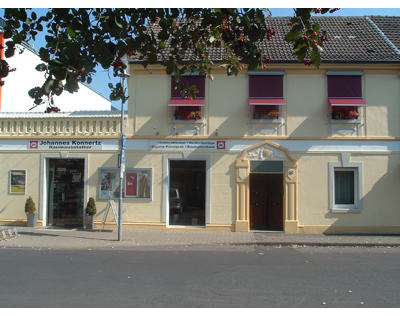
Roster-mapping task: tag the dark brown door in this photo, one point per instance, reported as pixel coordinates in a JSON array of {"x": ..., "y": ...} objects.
[{"x": 266, "y": 200}]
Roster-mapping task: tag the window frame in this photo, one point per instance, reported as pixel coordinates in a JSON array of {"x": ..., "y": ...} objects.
[
  {"x": 279, "y": 107},
  {"x": 356, "y": 167}
]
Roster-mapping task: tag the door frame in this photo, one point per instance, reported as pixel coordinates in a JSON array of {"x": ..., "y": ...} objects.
[
  {"x": 44, "y": 177},
  {"x": 166, "y": 182},
  {"x": 264, "y": 151}
]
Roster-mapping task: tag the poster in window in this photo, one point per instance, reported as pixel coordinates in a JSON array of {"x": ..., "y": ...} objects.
[
  {"x": 138, "y": 182},
  {"x": 144, "y": 183},
  {"x": 109, "y": 183},
  {"x": 17, "y": 181},
  {"x": 131, "y": 184}
]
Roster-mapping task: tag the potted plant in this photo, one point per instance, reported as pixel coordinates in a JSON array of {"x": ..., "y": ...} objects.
[
  {"x": 90, "y": 211},
  {"x": 31, "y": 212}
]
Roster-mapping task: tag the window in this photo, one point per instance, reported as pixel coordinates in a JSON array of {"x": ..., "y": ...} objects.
[
  {"x": 266, "y": 96},
  {"x": 187, "y": 98},
  {"x": 345, "y": 187},
  {"x": 345, "y": 95}
]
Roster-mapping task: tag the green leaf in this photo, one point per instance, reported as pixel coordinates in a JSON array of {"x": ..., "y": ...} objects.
[
  {"x": 48, "y": 85},
  {"x": 44, "y": 54},
  {"x": 70, "y": 31},
  {"x": 315, "y": 58},
  {"x": 117, "y": 23},
  {"x": 41, "y": 67},
  {"x": 292, "y": 36}
]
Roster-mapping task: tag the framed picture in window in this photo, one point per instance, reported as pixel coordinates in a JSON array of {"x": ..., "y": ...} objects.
[
  {"x": 17, "y": 181},
  {"x": 109, "y": 183},
  {"x": 138, "y": 183}
]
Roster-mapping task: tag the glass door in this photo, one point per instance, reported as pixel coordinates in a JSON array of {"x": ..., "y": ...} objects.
[
  {"x": 187, "y": 192},
  {"x": 66, "y": 192}
]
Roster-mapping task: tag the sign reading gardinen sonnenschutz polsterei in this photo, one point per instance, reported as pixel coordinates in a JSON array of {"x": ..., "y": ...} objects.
[{"x": 70, "y": 144}]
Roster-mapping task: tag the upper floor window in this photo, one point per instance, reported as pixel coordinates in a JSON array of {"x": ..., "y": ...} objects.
[
  {"x": 345, "y": 95},
  {"x": 187, "y": 98},
  {"x": 266, "y": 95}
]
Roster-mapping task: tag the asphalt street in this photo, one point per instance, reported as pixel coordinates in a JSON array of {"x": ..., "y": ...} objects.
[{"x": 201, "y": 276}]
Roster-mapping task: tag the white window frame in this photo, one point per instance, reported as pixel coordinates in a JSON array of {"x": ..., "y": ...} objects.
[{"x": 356, "y": 167}]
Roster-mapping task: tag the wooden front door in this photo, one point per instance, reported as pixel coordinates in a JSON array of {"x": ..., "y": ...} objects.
[{"x": 266, "y": 201}]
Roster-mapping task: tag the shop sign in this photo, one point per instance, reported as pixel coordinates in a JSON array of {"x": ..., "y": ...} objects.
[
  {"x": 209, "y": 145},
  {"x": 79, "y": 144}
]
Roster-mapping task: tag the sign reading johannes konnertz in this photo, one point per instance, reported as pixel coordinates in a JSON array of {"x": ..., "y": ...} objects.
[{"x": 65, "y": 144}]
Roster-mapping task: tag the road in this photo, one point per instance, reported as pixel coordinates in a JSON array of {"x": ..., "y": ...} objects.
[{"x": 213, "y": 276}]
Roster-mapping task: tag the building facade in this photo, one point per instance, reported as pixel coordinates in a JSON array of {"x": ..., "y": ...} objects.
[{"x": 290, "y": 148}]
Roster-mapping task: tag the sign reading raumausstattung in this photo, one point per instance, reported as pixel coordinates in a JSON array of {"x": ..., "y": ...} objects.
[{"x": 79, "y": 144}]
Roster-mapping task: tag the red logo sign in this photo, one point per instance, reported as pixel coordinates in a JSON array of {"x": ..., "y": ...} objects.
[
  {"x": 33, "y": 144},
  {"x": 220, "y": 144}
]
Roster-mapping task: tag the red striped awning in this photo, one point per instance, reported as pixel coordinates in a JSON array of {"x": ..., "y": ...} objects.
[
  {"x": 186, "y": 102},
  {"x": 346, "y": 102},
  {"x": 266, "y": 101}
]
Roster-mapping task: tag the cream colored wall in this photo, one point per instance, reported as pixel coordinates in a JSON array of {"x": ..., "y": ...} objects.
[
  {"x": 221, "y": 192},
  {"x": 12, "y": 206},
  {"x": 223, "y": 188},
  {"x": 380, "y": 182},
  {"x": 306, "y": 103},
  {"x": 382, "y": 94},
  {"x": 228, "y": 108},
  {"x": 148, "y": 104},
  {"x": 228, "y": 111}
]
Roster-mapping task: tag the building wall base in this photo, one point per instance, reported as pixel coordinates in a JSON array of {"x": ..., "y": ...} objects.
[
  {"x": 242, "y": 226},
  {"x": 291, "y": 226}
]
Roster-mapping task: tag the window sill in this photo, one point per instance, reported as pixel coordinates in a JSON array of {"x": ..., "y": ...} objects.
[
  {"x": 348, "y": 121},
  {"x": 344, "y": 210},
  {"x": 188, "y": 121},
  {"x": 278, "y": 120}
]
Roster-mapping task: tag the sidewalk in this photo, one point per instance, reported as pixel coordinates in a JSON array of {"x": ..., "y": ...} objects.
[{"x": 58, "y": 238}]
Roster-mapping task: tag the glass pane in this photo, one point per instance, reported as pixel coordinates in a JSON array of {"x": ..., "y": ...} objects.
[
  {"x": 187, "y": 192},
  {"x": 344, "y": 186},
  {"x": 66, "y": 183}
]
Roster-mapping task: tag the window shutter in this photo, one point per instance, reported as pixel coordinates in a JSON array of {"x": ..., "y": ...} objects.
[
  {"x": 267, "y": 86},
  {"x": 344, "y": 87},
  {"x": 198, "y": 81}
]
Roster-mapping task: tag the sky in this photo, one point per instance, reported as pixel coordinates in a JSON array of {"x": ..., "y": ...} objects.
[{"x": 102, "y": 78}]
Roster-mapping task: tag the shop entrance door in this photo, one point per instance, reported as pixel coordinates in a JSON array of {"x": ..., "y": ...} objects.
[
  {"x": 187, "y": 192},
  {"x": 266, "y": 202},
  {"x": 65, "y": 192}
]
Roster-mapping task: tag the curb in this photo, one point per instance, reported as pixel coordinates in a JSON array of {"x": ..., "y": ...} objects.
[{"x": 320, "y": 244}]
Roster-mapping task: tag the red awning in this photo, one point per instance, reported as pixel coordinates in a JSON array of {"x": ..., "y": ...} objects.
[
  {"x": 186, "y": 102},
  {"x": 346, "y": 102},
  {"x": 266, "y": 101}
]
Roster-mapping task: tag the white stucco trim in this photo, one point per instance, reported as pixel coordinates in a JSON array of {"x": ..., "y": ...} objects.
[{"x": 345, "y": 164}]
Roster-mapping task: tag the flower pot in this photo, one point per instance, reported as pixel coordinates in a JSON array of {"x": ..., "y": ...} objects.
[
  {"x": 32, "y": 219},
  {"x": 89, "y": 221}
]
